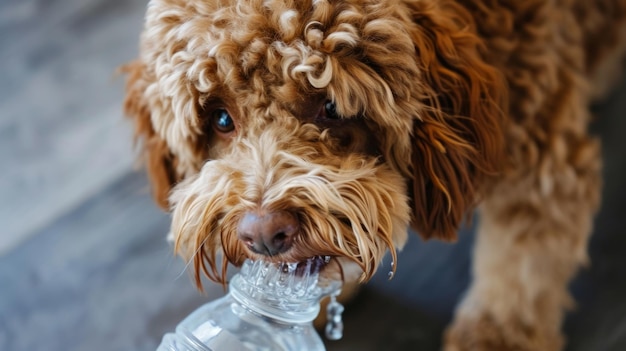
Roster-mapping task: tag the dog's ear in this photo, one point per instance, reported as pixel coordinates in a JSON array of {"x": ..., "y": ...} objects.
[
  {"x": 458, "y": 137},
  {"x": 159, "y": 161}
]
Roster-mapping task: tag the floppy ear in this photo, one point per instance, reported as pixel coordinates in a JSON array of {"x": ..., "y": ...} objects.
[
  {"x": 159, "y": 161},
  {"x": 458, "y": 138}
]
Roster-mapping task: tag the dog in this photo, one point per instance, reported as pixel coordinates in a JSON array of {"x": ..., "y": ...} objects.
[{"x": 285, "y": 130}]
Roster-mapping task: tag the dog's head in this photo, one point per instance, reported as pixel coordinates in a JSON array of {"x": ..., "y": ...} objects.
[{"x": 285, "y": 130}]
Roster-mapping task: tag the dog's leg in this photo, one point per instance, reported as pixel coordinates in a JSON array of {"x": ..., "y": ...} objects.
[{"x": 532, "y": 238}]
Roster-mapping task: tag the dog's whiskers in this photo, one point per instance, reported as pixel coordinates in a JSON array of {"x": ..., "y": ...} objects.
[{"x": 192, "y": 258}]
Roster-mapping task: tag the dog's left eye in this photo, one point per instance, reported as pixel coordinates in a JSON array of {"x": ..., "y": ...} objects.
[
  {"x": 330, "y": 110},
  {"x": 222, "y": 121}
]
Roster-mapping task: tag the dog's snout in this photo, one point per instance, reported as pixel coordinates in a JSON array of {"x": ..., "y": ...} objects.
[{"x": 269, "y": 233}]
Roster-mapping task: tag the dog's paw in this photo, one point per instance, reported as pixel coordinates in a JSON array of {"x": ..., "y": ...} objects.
[{"x": 482, "y": 333}]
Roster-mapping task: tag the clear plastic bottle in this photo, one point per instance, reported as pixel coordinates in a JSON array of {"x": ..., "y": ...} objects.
[{"x": 268, "y": 307}]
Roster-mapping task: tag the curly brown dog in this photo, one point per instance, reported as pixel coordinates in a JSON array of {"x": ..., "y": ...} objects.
[{"x": 284, "y": 130}]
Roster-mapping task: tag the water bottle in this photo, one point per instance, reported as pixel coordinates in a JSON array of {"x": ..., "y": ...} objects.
[{"x": 268, "y": 307}]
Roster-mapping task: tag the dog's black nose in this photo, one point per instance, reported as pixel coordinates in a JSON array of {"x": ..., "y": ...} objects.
[{"x": 269, "y": 233}]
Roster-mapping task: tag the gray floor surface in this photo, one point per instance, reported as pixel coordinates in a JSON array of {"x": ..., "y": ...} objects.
[{"x": 84, "y": 264}]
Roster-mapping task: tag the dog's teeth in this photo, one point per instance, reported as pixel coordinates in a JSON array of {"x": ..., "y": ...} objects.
[{"x": 292, "y": 266}]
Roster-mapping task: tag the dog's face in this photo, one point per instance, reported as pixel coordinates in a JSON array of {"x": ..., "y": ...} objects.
[{"x": 285, "y": 130}]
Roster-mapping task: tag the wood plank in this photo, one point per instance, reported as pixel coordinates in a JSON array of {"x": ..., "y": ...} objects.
[{"x": 62, "y": 134}]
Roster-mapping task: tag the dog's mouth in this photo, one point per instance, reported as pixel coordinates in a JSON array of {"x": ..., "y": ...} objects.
[
  {"x": 309, "y": 266},
  {"x": 326, "y": 271},
  {"x": 329, "y": 268},
  {"x": 326, "y": 266}
]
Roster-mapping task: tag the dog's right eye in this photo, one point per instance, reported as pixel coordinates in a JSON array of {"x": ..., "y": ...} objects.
[
  {"x": 330, "y": 110},
  {"x": 222, "y": 121}
]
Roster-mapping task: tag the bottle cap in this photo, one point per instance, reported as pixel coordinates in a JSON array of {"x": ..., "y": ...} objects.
[{"x": 288, "y": 292}]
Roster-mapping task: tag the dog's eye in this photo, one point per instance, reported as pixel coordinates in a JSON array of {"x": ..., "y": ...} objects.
[
  {"x": 222, "y": 121},
  {"x": 330, "y": 110}
]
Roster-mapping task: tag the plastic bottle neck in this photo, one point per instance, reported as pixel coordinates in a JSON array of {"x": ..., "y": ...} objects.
[{"x": 288, "y": 293}]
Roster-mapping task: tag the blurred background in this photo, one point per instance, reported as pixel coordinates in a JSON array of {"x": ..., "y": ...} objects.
[{"x": 84, "y": 264}]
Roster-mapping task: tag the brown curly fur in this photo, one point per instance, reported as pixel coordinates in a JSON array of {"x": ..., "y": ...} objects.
[{"x": 442, "y": 105}]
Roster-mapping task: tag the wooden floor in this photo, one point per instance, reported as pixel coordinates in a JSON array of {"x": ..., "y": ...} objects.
[
  {"x": 83, "y": 260},
  {"x": 62, "y": 135}
]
